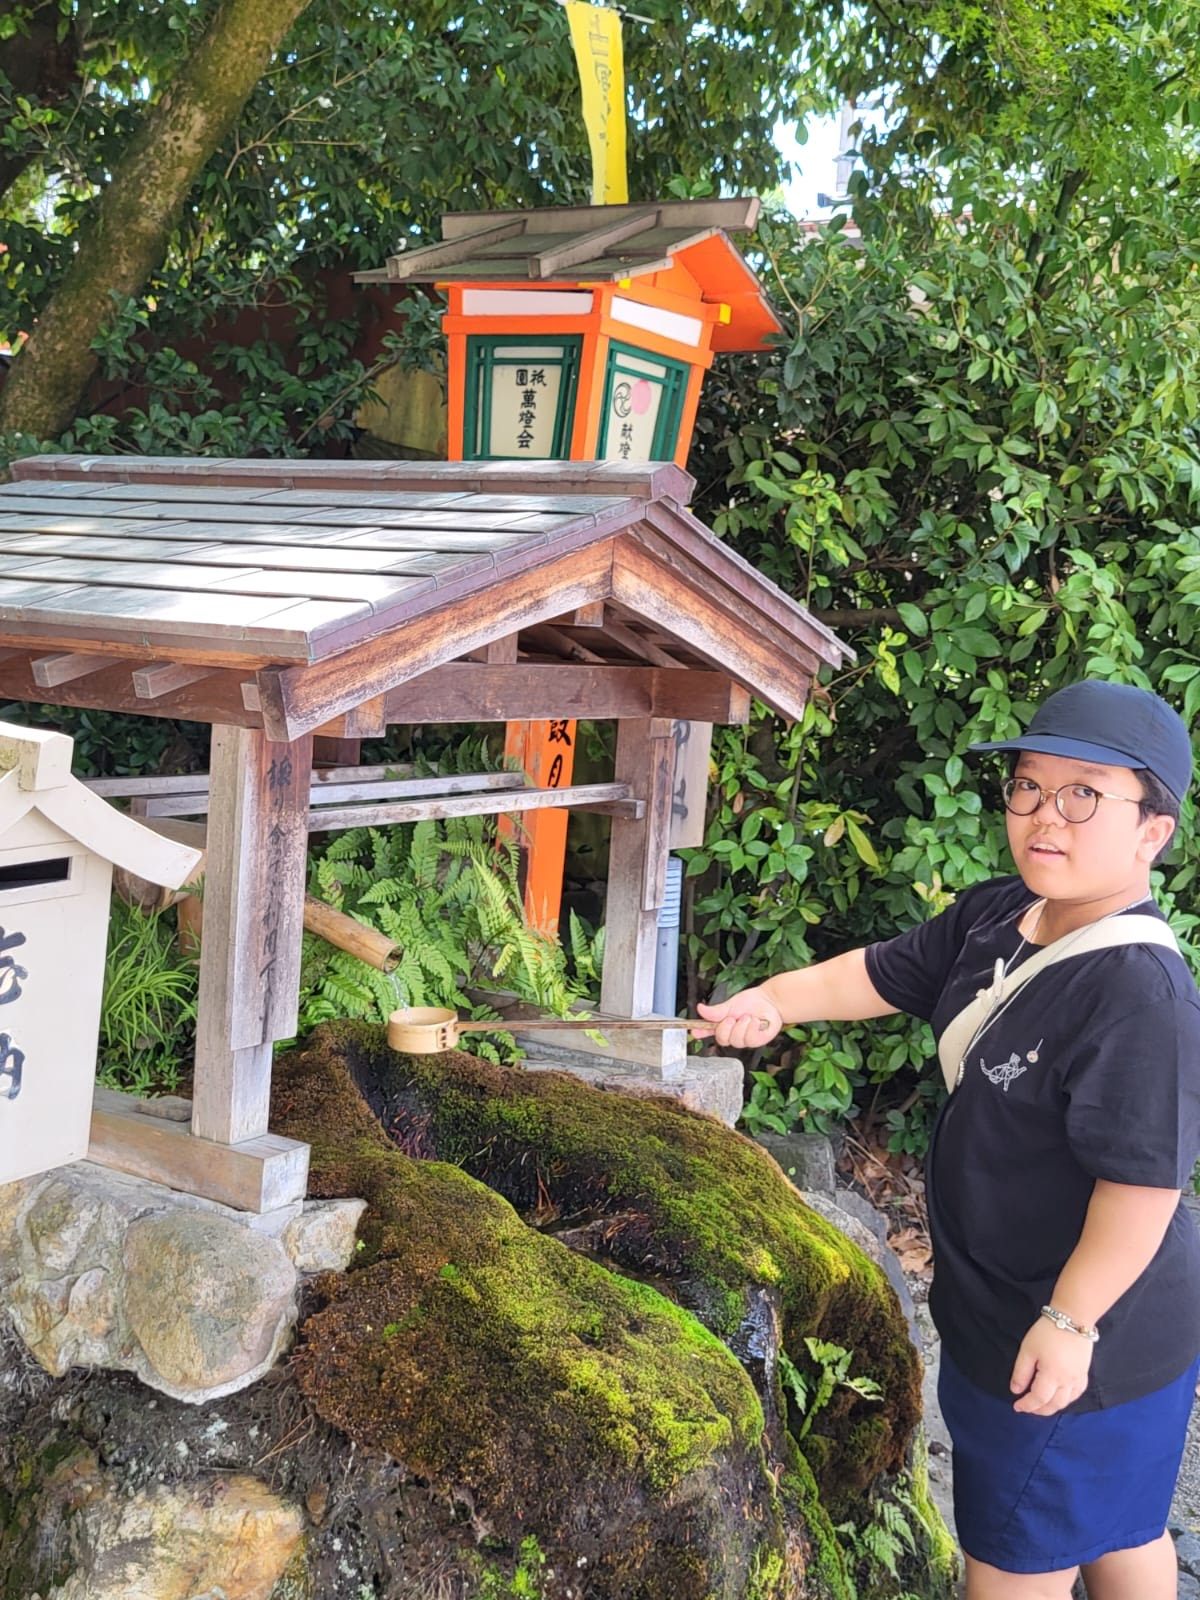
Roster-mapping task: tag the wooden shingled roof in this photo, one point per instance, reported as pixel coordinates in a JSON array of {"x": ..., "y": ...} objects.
[
  {"x": 601, "y": 244},
  {"x": 289, "y": 594}
]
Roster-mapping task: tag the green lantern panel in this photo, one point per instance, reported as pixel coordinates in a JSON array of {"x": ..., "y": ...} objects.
[
  {"x": 520, "y": 398},
  {"x": 642, "y": 406}
]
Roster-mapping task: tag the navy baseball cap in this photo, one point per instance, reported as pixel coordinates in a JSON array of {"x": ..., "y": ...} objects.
[{"x": 1113, "y": 724}]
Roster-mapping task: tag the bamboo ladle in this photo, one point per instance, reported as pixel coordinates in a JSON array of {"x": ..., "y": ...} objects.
[{"x": 428, "y": 1030}]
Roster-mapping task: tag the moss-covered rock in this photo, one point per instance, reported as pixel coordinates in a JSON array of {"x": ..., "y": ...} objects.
[
  {"x": 602, "y": 1410},
  {"x": 660, "y": 1192},
  {"x": 542, "y": 1390}
]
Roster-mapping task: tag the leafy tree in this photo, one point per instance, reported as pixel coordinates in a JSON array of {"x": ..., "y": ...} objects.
[
  {"x": 978, "y": 458},
  {"x": 123, "y": 238},
  {"x": 975, "y": 453},
  {"x": 368, "y": 122}
]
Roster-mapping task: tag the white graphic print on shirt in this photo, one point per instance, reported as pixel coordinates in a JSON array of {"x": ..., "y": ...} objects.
[{"x": 1009, "y": 1071}]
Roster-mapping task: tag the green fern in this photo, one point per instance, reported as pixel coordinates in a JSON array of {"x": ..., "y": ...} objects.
[
  {"x": 587, "y": 952},
  {"x": 448, "y": 895},
  {"x": 879, "y": 1546}
]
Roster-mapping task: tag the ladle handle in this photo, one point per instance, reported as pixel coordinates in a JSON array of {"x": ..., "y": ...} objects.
[{"x": 593, "y": 1024}]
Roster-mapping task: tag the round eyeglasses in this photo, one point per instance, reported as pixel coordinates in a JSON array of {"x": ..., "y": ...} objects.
[{"x": 1076, "y": 802}]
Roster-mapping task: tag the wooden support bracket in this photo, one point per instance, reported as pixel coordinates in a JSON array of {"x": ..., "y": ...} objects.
[
  {"x": 257, "y": 1175},
  {"x": 164, "y": 677},
  {"x": 50, "y": 671}
]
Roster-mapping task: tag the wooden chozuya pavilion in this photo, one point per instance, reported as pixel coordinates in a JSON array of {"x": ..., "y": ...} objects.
[{"x": 278, "y": 600}]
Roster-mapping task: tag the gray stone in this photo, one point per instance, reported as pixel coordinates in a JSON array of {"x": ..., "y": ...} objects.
[
  {"x": 1187, "y": 1551},
  {"x": 705, "y": 1083},
  {"x": 856, "y": 1231},
  {"x": 1189, "y": 1587},
  {"x": 210, "y": 1302},
  {"x": 806, "y": 1158},
  {"x": 104, "y": 1270},
  {"x": 323, "y": 1236},
  {"x": 859, "y": 1206},
  {"x": 830, "y": 1207}
]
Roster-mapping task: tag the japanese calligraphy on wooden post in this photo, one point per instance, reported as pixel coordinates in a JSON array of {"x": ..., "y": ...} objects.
[{"x": 693, "y": 746}]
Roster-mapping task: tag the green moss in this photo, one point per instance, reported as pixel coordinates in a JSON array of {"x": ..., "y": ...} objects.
[
  {"x": 494, "y": 1361},
  {"x": 690, "y": 1201},
  {"x": 481, "y": 1352},
  {"x": 941, "y": 1552},
  {"x": 827, "y": 1574}
]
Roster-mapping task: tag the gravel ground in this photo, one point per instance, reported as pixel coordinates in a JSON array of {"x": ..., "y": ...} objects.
[{"x": 1185, "y": 1509}]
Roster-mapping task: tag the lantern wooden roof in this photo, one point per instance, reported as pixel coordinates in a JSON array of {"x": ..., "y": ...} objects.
[
  {"x": 297, "y": 595},
  {"x": 675, "y": 243}
]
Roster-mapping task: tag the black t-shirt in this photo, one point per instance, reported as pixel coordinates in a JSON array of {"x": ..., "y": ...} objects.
[{"x": 1091, "y": 1071}]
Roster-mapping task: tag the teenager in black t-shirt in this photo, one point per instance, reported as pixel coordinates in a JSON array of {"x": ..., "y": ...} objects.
[{"x": 1067, "y": 1273}]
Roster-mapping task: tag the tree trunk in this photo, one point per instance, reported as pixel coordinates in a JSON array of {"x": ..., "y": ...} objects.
[{"x": 127, "y": 237}]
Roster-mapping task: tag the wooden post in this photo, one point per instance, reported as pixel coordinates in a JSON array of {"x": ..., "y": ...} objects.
[
  {"x": 253, "y": 916},
  {"x": 637, "y": 864},
  {"x": 693, "y": 751}
]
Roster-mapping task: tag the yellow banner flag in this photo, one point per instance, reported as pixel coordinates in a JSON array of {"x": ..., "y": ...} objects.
[{"x": 596, "y": 36}]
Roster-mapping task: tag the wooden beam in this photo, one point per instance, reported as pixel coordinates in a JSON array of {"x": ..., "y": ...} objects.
[
  {"x": 587, "y": 616},
  {"x": 750, "y": 648},
  {"x": 31, "y": 636},
  {"x": 465, "y": 692},
  {"x": 165, "y": 677},
  {"x": 50, "y": 671},
  {"x": 253, "y": 918},
  {"x": 679, "y": 539},
  {"x": 501, "y": 652},
  {"x": 587, "y": 246},
  {"x": 295, "y": 701},
  {"x": 367, "y": 720},
  {"x": 335, "y": 750},
  {"x": 637, "y": 863},
  {"x": 638, "y": 646},
  {"x": 445, "y": 253},
  {"x": 498, "y": 785},
  {"x": 610, "y": 799},
  {"x": 645, "y": 480},
  {"x": 559, "y": 642},
  {"x": 260, "y": 1174},
  {"x": 198, "y": 782},
  {"x": 216, "y": 699}
]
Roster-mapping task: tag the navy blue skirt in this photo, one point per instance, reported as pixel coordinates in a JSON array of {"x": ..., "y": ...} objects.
[{"x": 1042, "y": 1494}]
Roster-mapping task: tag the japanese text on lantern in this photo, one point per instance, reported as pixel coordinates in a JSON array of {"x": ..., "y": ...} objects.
[{"x": 522, "y": 406}]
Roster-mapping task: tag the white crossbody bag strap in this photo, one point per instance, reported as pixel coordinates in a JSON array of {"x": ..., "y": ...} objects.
[{"x": 1106, "y": 934}]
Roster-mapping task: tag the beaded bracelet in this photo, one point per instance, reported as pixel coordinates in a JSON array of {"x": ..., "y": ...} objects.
[{"x": 1060, "y": 1319}]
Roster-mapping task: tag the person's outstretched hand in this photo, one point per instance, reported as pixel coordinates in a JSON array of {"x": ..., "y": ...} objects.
[{"x": 744, "y": 1022}]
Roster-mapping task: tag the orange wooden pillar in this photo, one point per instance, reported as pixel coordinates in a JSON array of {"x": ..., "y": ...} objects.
[{"x": 546, "y": 752}]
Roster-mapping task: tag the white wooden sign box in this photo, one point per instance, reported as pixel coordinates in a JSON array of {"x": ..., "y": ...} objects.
[{"x": 58, "y": 845}]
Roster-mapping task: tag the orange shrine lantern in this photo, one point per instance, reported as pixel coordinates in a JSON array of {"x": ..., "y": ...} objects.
[{"x": 583, "y": 334}]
